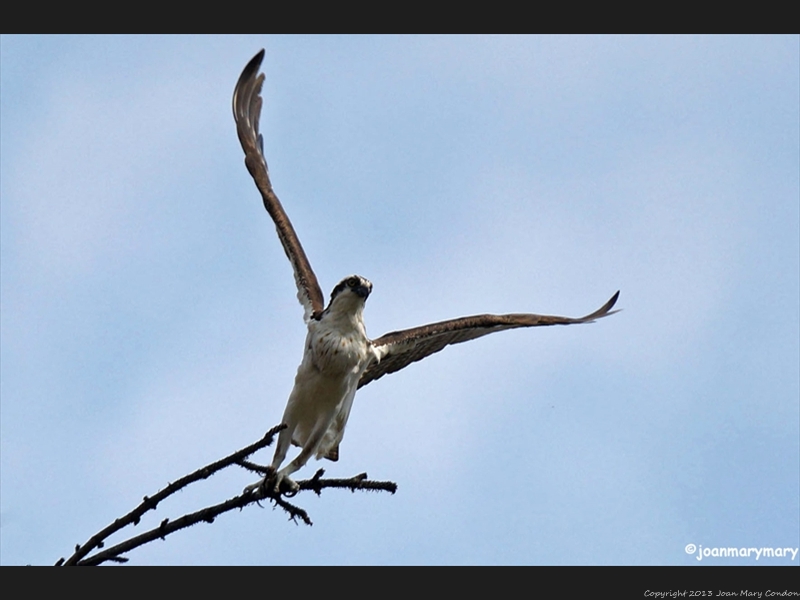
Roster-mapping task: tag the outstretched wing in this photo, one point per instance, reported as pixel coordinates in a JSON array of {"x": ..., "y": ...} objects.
[
  {"x": 398, "y": 349},
  {"x": 246, "y": 111}
]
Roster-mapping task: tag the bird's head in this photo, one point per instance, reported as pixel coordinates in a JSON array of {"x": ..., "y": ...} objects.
[{"x": 351, "y": 291}]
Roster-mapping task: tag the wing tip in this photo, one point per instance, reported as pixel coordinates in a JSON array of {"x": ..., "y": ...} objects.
[
  {"x": 254, "y": 64},
  {"x": 251, "y": 68},
  {"x": 613, "y": 300},
  {"x": 248, "y": 73},
  {"x": 605, "y": 310}
]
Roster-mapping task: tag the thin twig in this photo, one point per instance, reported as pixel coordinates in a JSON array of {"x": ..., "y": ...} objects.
[
  {"x": 167, "y": 527},
  {"x": 209, "y": 514},
  {"x": 358, "y": 482},
  {"x": 150, "y": 503}
]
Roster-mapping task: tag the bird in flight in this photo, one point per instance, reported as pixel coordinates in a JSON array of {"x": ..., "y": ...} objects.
[{"x": 338, "y": 357}]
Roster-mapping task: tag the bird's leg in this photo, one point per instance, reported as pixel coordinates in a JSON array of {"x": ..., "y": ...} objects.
[
  {"x": 262, "y": 484},
  {"x": 309, "y": 448},
  {"x": 284, "y": 440}
]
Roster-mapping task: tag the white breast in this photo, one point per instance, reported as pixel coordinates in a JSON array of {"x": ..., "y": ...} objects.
[
  {"x": 339, "y": 347},
  {"x": 326, "y": 382}
]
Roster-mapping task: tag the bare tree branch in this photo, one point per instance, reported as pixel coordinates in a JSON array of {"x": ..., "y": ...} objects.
[{"x": 208, "y": 514}]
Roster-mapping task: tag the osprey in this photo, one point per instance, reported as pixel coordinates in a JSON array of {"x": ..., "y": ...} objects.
[{"x": 338, "y": 357}]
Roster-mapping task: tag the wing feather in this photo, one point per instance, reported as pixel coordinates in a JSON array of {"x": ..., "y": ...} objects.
[
  {"x": 246, "y": 112},
  {"x": 398, "y": 349}
]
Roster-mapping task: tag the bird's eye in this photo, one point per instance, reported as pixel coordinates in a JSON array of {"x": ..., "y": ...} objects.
[{"x": 352, "y": 282}]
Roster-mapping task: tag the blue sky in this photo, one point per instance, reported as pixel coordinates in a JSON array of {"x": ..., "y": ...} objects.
[{"x": 150, "y": 326}]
